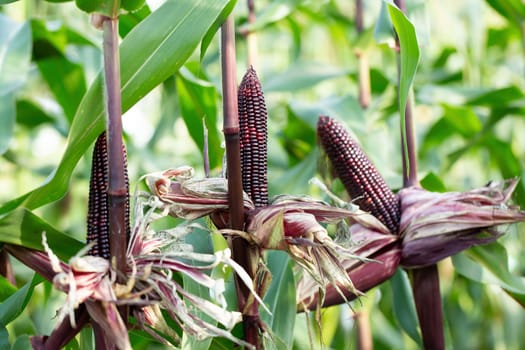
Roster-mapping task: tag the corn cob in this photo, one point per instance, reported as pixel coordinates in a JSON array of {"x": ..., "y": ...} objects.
[
  {"x": 362, "y": 181},
  {"x": 253, "y": 138},
  {"x": 126, "y": 178},
  {"x": 97, "y": 218},
  {"x": 98, "y": 202}
]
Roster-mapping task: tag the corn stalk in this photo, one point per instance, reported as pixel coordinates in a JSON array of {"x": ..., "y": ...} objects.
[
  {"x": 425, "y": 280},
  {"x": 245, "y": 255}
]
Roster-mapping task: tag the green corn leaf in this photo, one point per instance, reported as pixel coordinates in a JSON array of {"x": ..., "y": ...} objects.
[
  {"x": 497, "y": 97},
  {"x": 22, "y": 343},
  {"x": 513, "y": 10},
  {"x": 301, "y": 76},
  {"x": 432, "y": 182},
  {"x": 201, "y": 243},
  {"x": 22, "y": 227},
  {"x": 6, "y": 288},
  {"x": 409, "y": 59},
  {"x": 154, "y": 50},
  {"x": 330, "y": 319},
  {"x": 15, "y": 56},
  {"x": 197, "y": 98},
  {"x": 215, "y": 27},
  {"x": 7, "y": 119},
  {"x": 4, "y": 338},
  {"x": 3, "y": 2},
  {"x": 489, "y": 264},
  {"x": 66, "y": 81},
  {"x": 16, "y": 303},
  {"x": 11, "y": 308},
  {"x": 108, "y": 8},
  {"x": 404, "y": 308},
  {"x": 292, "y": 180},
  {"x": 280, "y": 299},
  {"x": 462, "y": 120},
  {"x": 273, "y": 12},
  {"x": 345, "y": 108},
  {"x": 31, "y": 114},
  {"x": 129, "y": 20}
]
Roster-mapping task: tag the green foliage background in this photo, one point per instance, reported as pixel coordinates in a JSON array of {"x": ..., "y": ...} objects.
[{"x": 469, "y": 108}]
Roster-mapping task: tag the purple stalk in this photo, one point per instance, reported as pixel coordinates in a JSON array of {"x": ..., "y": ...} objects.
[
  {"x": 63, "y": 333},
  {"x": 427, "y": 297},
  {"x": 425, "y": 281},
  {"x": 231, "y": 125},
  {"x": 205, "y": 151},
  {"x": 359, "y": 15},
  {"x": 251, "y": 41},
  {"x": 364, "y": 333},
  {"x": 34, "y": 259},
  {"x": 117, "y": 189},
  {"x": 101, "y": 341},
  {"x": 6, "y": 270},
  {"x": 117, "y": 184},
  {"x": 364, "y": 71},
  {"x": 242, "y": 253}
]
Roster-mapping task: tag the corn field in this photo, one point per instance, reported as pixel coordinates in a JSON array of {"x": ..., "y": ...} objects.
[{"x": 297, "y": 174}]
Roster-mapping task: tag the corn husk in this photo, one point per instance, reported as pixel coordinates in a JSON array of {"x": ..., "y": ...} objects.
[
  {"x": 437, "y": 225},
  {"x": 293, "y": 224},
  {"x": 181, "y": 195}
]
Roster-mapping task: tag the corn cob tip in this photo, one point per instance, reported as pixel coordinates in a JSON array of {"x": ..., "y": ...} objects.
[{"x": 250, "y": 82}]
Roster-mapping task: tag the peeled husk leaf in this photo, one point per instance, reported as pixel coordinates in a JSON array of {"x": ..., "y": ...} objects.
[
  {"x": 379, "y": 254},
  {"x": 190, "y": 198},
  {"x": 365, "y": 276},
  {"x": 437, "y": 225},
  {"x": 293, "y": 224}
]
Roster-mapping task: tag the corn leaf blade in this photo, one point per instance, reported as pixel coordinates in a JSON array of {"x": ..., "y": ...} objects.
[
  {"x": 22, "y": 227},
  {"x": 409, "y": 59},
  {"x": 488, "y": 264},
  {"x": 149, "y": 54},
  {"x": 280, "y": 299}
]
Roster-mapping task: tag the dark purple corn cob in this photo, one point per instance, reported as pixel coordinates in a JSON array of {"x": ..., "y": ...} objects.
[
  {"x": 362, "y": 181},
  {"x": 98, "y": 218},
  {"x": 126, "y": 177},
  {"x": 253, "y": 138},
  {"x": 98, "y": 205}
]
